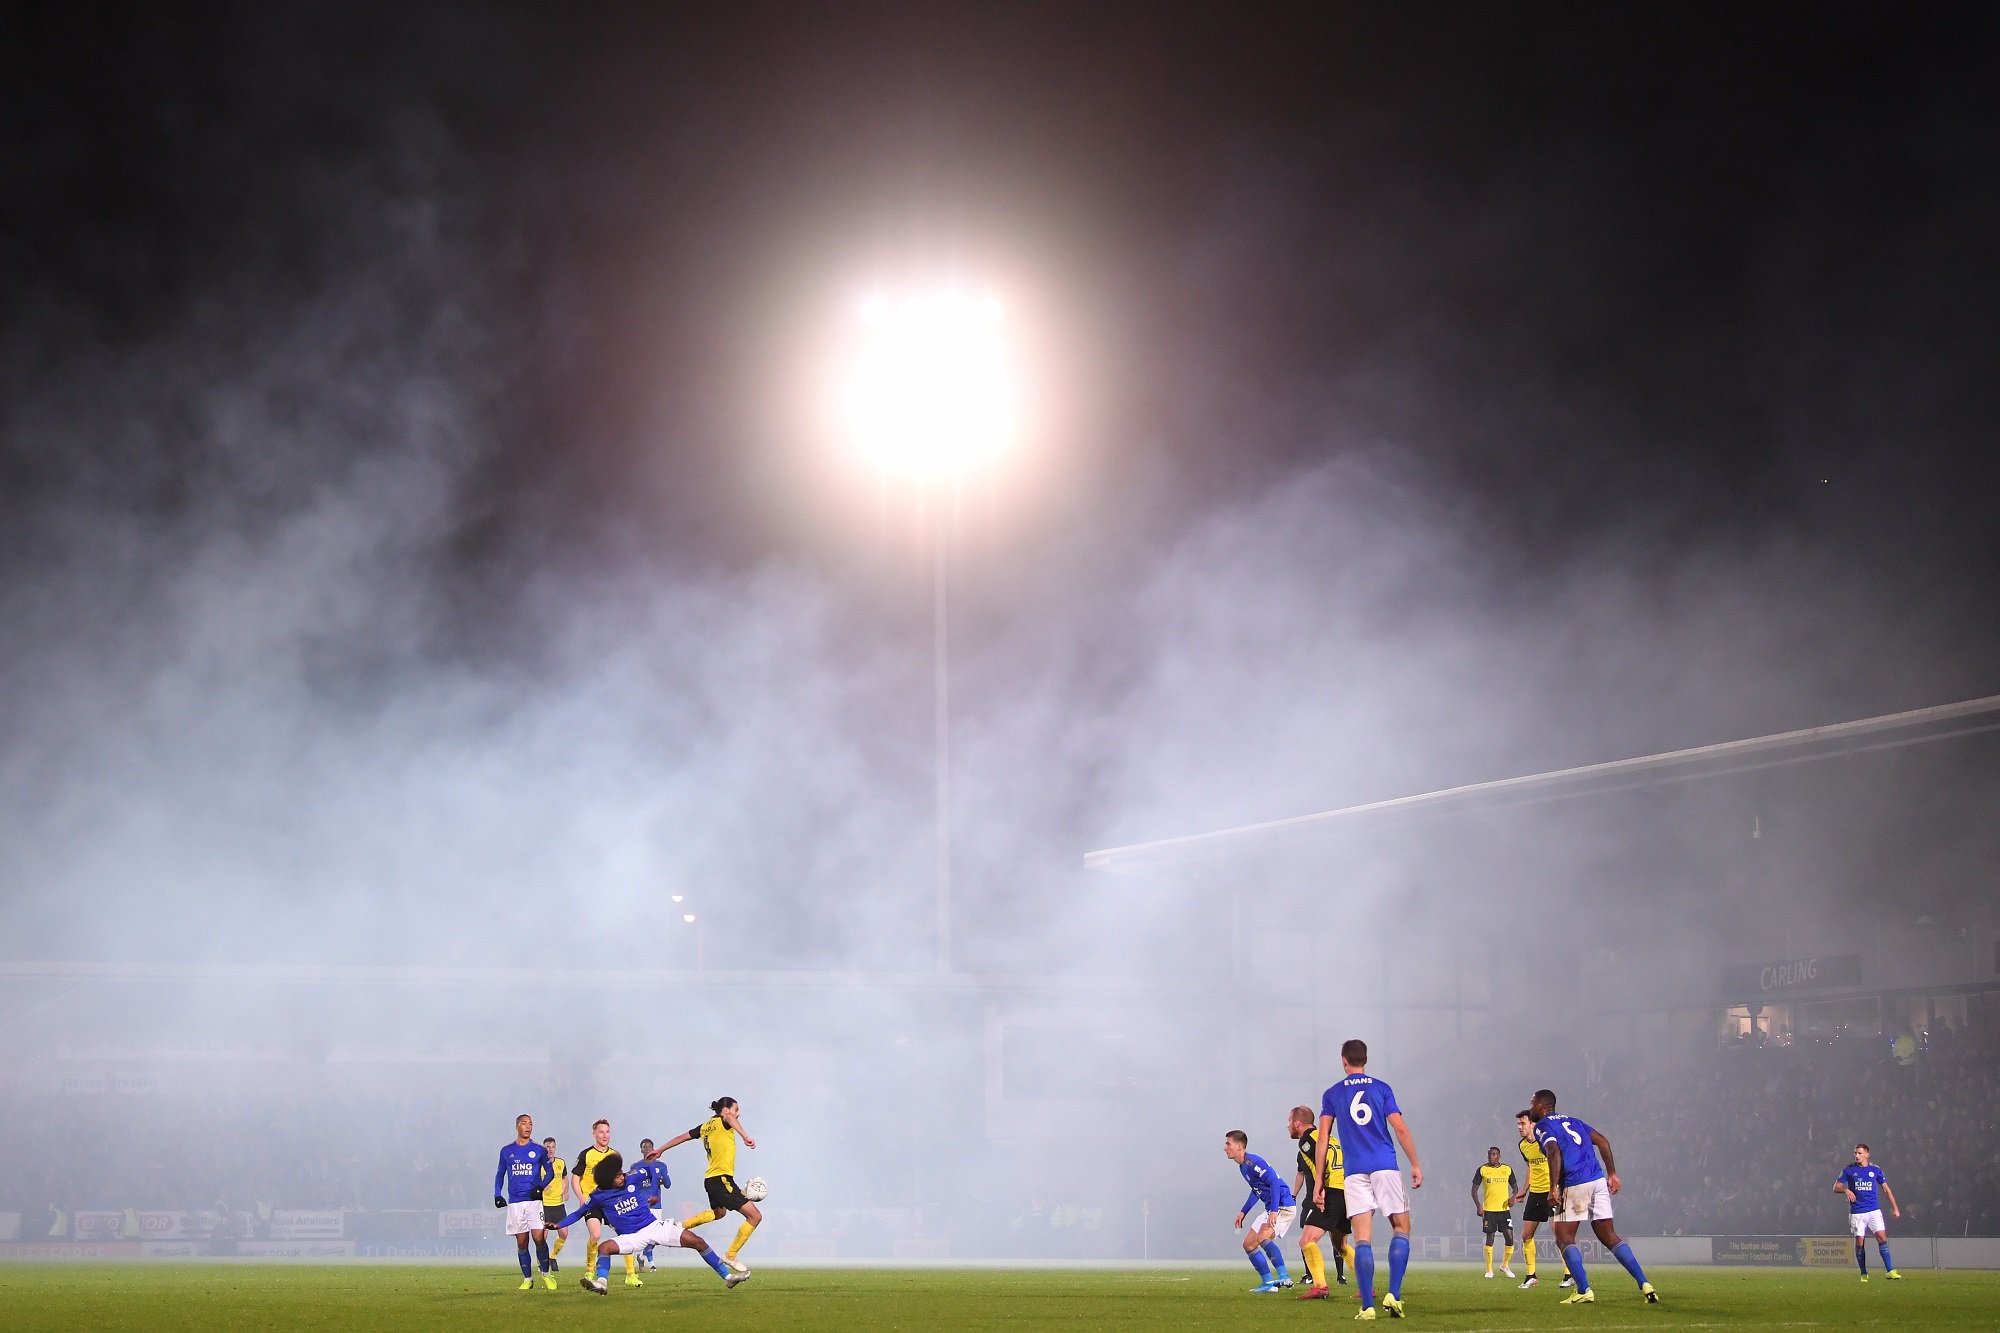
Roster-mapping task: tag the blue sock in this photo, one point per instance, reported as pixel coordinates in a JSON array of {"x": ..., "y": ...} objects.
[
  {"x": 1277, "y": 1258},
  {"x": 1888, "y": 1264},
  {"x": 603, "y": 1266},
  {"x": 522, "y": 1255},
  {"x": 1861, "y": 1257},
  {"x": 714, "y": 1260},
  {"x": 1261, "y": 1264},
  {"x": 1623, "y": 1254},
  {"x": 1573, "y": 1261},
  {"x": 542, "y": 1250},
  {"x": 1364, "y": 1272},
  {"x": 1399, "y": 1259}
]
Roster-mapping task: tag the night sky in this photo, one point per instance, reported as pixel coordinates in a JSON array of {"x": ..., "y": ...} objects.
[{"x": 457, "y": 319}]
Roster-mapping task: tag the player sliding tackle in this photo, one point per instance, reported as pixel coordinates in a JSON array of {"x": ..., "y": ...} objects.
[
  {"x": 622, "y": 1206},
  {"x": 1580, "y": 1190}
]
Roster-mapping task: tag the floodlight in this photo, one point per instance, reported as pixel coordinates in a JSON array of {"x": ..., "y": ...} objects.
[{"x": 931, "y": 393}]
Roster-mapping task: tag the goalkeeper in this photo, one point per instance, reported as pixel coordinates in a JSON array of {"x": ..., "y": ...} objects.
[{"x": 621, "y": 1206}]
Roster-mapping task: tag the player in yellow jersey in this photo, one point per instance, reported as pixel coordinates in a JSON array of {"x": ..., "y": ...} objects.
[
  {"x": 1493, "y": 1200},
  {"x": 586, "y": 1169},
  {"x": 1315, "y": 1221},
  {"x": 552, "y": 1203},
  {"x": 1536, "y": 1191},
  {"x": 718, "y": 1136}
]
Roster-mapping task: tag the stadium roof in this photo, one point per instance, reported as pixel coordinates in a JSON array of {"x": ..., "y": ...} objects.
[{"x": 1887, "y": 731}]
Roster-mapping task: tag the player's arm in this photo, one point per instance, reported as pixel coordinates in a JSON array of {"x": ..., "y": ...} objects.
[
  {"x": 1409, "y": 1142},
  {"x": 1477, "y": 1202},
  {"x": 1840, "y": 1186},
  {"x": 500, "y": 1181},
  {"x": 1894, "y": 1209},
  {"x": 1604, "y": 1151},
  {"x": 674, "y": 1142},
  {"x": 734, "y": 1119},
  {"x": 1319, "y": 1160},
  {"x": 1552, "y": 1154},
  {"x": 1521, "y": 1148}
]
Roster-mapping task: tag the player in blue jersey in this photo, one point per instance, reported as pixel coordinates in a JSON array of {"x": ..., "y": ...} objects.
[
  {"x": 1583, "y": 1176},
  {"x": 621, "y": 1205},
  {"x": 524, "y": 1172},
  {"x": 1862, "y": 1183},
  {"x": 1267, "y": 1187},
  {"x": 1365, "y": 1110},
  {"x": 652, "y": 1178}
]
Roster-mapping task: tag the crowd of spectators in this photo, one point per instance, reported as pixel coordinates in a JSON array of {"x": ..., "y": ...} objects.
[
  {"x": 161, "y": 1151},
  {"x": 1748, "y": 1139}
]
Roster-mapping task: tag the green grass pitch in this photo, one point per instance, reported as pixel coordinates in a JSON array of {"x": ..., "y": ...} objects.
[{"x": 204, "y": 1296}]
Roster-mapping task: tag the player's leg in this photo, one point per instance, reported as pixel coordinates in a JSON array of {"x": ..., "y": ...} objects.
[
  {"x": 1309, "y": 1254},
  {"x": 751, "y": 1219},
  {"x": 521, "y": 1253},
  {"x": 1361, "y": 1224},
  {"x": 1254, "y": 1237},
  {"x": 1279, "y": 1225},
  {"x": 1608, "y": 1237},
  {"x": 1399, "y": 1261},
  {"x": 1343, "y": 1254},
  {"x": 594, "y": 1237},
  {"x": 1529, "y": 1226},
  {"x": 1486, "y": 1238},
  {"x": 542, "y": 1253},
  {"x": 1882, "y": 1247},
  {"x": 1395, "y": 1204},
  {"x": 1565, "y": 1229},
  {"x": 1507, "y": 1251},
  {"x": 553, "y": 1213}
]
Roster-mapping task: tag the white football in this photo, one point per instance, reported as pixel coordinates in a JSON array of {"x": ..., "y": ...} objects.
[{"x": 755, "y": 1189}]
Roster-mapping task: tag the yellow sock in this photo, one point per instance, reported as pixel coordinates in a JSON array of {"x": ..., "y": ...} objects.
[
  {"x": 742, "y": 1234},
  {"x": 556, "y": 1248},
  {"x": 701, "y": 1219},
  {"x": 1528, "y": 1253},
  {"x": 589, "y": 1255},
  {"x": 631, "y": 1265},
  {"x": 1315, "y": 1263},
  {"x": 1489, "y": 1258},
  {"x": 1507, "y": 1256},
  {"x": 1347, "y": 1253}
]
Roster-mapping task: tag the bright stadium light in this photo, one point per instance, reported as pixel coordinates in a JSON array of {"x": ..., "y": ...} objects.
[
  {"x": 929, "y": 399},
  {"x": 931, "y": 393}
]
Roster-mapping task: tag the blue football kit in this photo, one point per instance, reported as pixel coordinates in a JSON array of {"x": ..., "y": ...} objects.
[
  {"x": 650, "y": 1178},
  {"x": 1266, "y": 1186},
  {"x": 1863, "y": 1180},
  {"x": 525, "y": 1171},
  {"x": 1567, "y": 1137},
  {"x": 623, "y": 1209},
  {"x": 1361, "y": 1106}
]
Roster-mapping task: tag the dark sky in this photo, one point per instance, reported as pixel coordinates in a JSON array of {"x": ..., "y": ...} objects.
[
  {"x": 1439, "y": 395},
  {"x": 1674, "y": 269}
]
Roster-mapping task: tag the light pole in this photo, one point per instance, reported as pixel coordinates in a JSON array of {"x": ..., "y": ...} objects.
[{"x": 930, "y": 399}]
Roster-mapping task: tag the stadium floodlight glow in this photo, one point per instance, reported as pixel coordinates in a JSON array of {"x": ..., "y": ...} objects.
[
  {"x": 688, "y": 917},
  {"x": 931, "y": 393}
]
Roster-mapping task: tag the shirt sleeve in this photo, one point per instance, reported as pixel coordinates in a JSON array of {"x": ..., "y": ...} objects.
[{"x": 500, "y": 1177}]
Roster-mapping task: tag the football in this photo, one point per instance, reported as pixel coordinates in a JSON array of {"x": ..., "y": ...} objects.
[{"x": 755, "y": 1189}]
